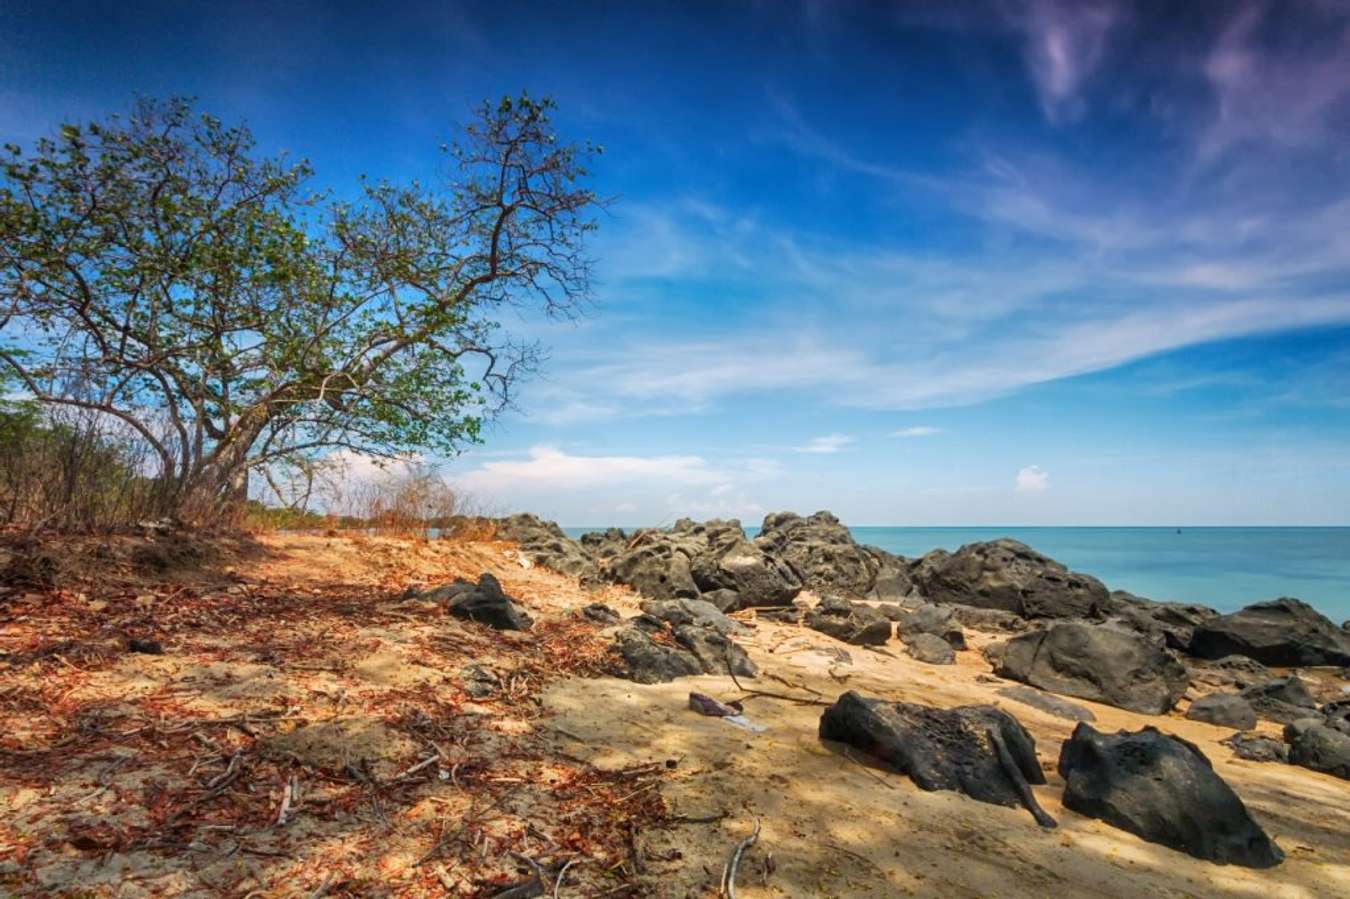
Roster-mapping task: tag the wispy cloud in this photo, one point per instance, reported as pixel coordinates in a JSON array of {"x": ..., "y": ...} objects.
[
  {"x": 830, "y": 443},
  {"x": 1032, "y": 479},
  {"x": 1065, "y": 40},
  {"x": 917, "y": 431}
]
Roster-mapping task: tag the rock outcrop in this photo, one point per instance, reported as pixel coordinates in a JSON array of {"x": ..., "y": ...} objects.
[
  {"x": 824, "y": 555},
  {"x": 1048, "y": 703},
  {"x": 1095, "y": 662},
  {"x": 545, "y": 543},
  {"x": 1282, "y": 699},
  {"x": 930, "y": 618},
  {"x": 850, "y": 622},
  {"x": 1283, "y": 632},
  {"x": 930, "y": 649},
  {"x": 1174, "y": 622},
  {"x": 1223, "y": 710},
  {"x": 1315, "y": 745},
  {"x": 1256, "y": 747},
  {"x": 978, "y": 750},
  {"x": 1162, "y": 789},
  {"x": 1007, "y": 575}
]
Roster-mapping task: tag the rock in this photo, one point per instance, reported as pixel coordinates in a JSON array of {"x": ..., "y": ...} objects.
[
  {"x": 691, "y": 611},
  {"x": 1312, "y": 744},
  {"x": 1011, "y": 576},
  {"x": 546, "y": 544},
  {"x": 479, "y": 681},
  {"x": 821, "y": 551},
  {"x": 600, "y": 613},
  {"x": 654, "y": 569},
  {"x": 995, "y": 620},
  {"x": 1283, "y": 632},
  {"x": 715, "y": 652},
  {"x": 1224, "y": 710},
  {"x": 1162, "y": 789},
  {"x": 933, "y": 619},
  {"x": 930, "y": 648},
  {"x": 853, "y": 623},
  {"x": 1095, "y": 662},
  {"x": 1337, "y": 715},
  {"x": 758, "y": 578},
  {"x": 724, "y": 600},
  {"x": 1230, "y": 671},
  {"x": 892, "y": 581},
  {"x": 1049, "y": 703},
  {"x": 1173, "y": 621},
  {"x": 483, "y": 602},
  {"x": 648, "y": 662},
  {"x": 604, "y": 544},
  {"x": 148, "y": 647},
  {"x": 1283, "y": 699},
  {"x": 1256, "y": 747},
  {"x": 978, "y": 750}
]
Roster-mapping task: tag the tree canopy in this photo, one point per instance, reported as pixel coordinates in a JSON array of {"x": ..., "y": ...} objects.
[{"x": 157, "y": 269}]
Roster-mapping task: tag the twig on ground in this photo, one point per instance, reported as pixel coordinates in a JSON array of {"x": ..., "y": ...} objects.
[
  {"x": 557, "y": 885},
  {"x": 734, "y": 862},
  {"x": 529, "y": 888}
]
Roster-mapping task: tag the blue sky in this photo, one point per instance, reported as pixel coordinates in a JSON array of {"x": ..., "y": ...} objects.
[{"x": 1022, "y": 263}]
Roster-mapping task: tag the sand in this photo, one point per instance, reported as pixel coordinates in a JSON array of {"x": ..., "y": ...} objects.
[{"x": 585, "y": 767}]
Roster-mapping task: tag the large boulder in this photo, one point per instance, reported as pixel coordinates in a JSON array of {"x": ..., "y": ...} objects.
[
  {"x": 1283, "y": 699},
  {"x": 1174, "y": 622},
  {"x": 931, "y": 618},
  {"x": 978, "y": 750},
  {"x": 1315, "y": 745},
  {"x": 1283, "y": 632},
  {"x": 484, "y": 602},
  {"x": 853, "y": 623},
  {"x": 1162, "y": 789},
  {"x": 651, "y": 656},
  {"x": 1096, "y": 662},
  {"x": 677, "y": 612},
  {"x": 604, "y": 544},
  {"x": 825, "y": 556},
  {"x": 741, "y": 566},
  {"x": 930, "y": 649},
  {"x": 1229, "y": 671},
  {"x": 653, "y": 568},
  {"x": 1223, "y": 710},
  {"x": 1011, "y": 576},
  {"x": 546, "y": 544}
]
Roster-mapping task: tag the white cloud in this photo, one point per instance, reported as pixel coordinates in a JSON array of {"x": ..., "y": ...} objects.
[
  {"x": 830, "y": 443},
  {"x": 1032, "y": 479},
  {"x": 917, "y": 431},
  {"x": 552, "y": 467}
]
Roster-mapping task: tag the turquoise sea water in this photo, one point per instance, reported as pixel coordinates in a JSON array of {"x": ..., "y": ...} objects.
[{"x": 1225, "y": 568}]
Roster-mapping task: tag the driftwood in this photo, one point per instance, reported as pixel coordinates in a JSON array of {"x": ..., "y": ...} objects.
[{"x": 734, "y": 862}]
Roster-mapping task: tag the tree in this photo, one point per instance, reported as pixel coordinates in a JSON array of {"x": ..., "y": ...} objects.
[{"x": 155, "y": 269}]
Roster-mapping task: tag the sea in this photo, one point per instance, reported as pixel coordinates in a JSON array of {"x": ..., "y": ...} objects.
[{"x": 1221, "y": 567}]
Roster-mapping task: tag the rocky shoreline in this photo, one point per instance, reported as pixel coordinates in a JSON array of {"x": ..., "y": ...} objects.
[{"x": 1066, "y": 635}]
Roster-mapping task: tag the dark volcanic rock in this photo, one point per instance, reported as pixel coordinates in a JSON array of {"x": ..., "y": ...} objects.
[
  {"x": 716, "y": 653},
  {"x": 1229, "y": 671},
  {"x": 1282, "y": 632},
  {"x": 544, "y": 543},
  {"x": 604, "y": 544},
  {"x": 1337, "y": 715},
  {"x": 758, "y": 578},
  {"x": 1164, "y": 790},
  {"x": 1011, "y": 576},
  {"x": 820, "y": 550},
  {"x": 654, "y": 568},
  {"x": 851, "y": 622},
  {"x": 930, "y": 648},
  {"x": 725, "y": 600},
  {"x": 648, "y": 662},
  {"x": 977, "y": 750},
  {"x": 1283, "y": 699},
  {"x": 484, "y": 602},
  {"x": 1173, "y": 621},
  {"x": 892, "y": 581},
  {"x": 690, "y": 611},
  {"x": 933, "y": 619},
  {"x": 1314, "y": 745},
  {"x": 1224, "y": 710},
  {"x": 1256, "y": 747},
  {"x": 1096, "y": 662},
  {"x": 1048, "y": 702},
  {"x": 600, "y": 613},
  {"x": 995, "y": 620}
]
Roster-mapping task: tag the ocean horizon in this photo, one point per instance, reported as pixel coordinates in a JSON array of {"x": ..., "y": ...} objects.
[{"x": 1222, "y": 567}]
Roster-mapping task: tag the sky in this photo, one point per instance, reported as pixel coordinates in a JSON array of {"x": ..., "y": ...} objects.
[{"x": 1011, "y": 263}]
